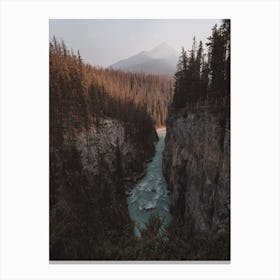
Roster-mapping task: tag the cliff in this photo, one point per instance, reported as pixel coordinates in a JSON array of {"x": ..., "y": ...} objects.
[
  {"x": 100, "y": 141},
  {"x": 88, "y": 215},
  {"x": 196, "y": 164}
]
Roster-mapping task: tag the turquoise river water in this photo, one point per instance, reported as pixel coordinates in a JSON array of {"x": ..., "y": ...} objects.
[{"x": 150, "y": 194}]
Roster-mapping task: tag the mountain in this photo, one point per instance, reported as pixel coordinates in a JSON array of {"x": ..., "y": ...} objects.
[{"x": 161, "y": 60}]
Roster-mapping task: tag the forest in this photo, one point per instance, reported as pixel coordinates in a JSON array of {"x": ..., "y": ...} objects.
[
  {"x": 102, "y": 130},
  {"x": 197, "y": 151},
  {"x": 88, "y": 216},
  {"x": 151, "y": 93},
  {"x": 203, "y": 77}
]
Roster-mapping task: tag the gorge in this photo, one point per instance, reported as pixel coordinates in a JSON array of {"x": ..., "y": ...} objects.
[
  {"x": 150, "y": 195},
  {"x": 101, "y": 139},
  {"x": 120, "y": 189}
]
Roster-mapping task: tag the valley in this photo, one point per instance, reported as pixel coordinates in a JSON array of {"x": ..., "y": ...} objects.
[
  {"x": 140, "y": 158},
  {"x": 150, "y": 196}
]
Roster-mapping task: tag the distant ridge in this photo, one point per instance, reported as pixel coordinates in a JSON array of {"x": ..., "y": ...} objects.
[{"x": 161, "y": 60}]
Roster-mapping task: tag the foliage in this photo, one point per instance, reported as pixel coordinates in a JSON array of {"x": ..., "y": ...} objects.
[
  {"x": 88, "y": 209},
  {"x": 204, "y": 77},
  {"x": 88, "y": 214}
]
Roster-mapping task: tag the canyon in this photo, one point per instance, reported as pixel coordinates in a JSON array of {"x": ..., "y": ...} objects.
[{"x": 196, "y": 164}]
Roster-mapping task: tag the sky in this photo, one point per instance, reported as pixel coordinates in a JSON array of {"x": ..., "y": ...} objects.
[{"x": 105, "y": 41}]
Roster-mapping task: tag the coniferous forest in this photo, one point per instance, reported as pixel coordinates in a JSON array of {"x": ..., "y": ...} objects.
[
  {"x": 82, "y": 98},
  {"x": 204, "y": 76},
  {"x": 103, "y": 135}
]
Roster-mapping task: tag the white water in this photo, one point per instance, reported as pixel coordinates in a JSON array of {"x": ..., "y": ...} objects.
[{"x": 150, "y": 194}]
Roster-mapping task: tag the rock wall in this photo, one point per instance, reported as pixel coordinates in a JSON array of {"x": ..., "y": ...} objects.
[
  {"x": 89, "y": 176},
  {"x": 114, "y": 145},
  {"x": 196, "y": 164}
]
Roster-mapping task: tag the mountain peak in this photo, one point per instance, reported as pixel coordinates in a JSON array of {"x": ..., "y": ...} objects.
[
  {"x": 162, "y": 50},
  {"x": 162, "y": 45},
  {"x": 162, "y": 60}
]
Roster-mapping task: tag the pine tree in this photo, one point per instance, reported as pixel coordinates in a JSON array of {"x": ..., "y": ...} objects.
[
  {"x": 180, "y": 85},
  {"x": 217, "y": 62},
  {"x": 204, "y": 77},
  {"x": 199, "y": 58},
  {"x": 226, "y": 35}
]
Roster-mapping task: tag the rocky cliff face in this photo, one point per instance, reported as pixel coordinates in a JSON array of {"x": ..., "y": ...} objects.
[
  {"x": 117, "y": 150},
  {"x": 89, "y": 175},
  {"x": 196, "y": 164}
]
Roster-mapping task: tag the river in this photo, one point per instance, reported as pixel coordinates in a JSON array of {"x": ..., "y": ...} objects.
[{"x": 150, "y": 194}]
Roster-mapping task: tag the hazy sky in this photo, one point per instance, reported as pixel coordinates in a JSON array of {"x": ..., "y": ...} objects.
[{"x": 104, "y": 42}]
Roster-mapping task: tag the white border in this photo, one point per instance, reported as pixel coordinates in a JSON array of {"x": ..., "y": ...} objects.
[{"x": 24, "y": 138}]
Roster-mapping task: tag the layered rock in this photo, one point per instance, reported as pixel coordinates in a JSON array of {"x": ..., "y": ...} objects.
[{"x": 196, "y": 164}]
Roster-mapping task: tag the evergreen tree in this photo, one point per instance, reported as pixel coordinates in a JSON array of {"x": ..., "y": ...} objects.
[
  {"x": 180, "y": 85},
  {"x": 217, "y": 61},
  {"x": 226, "y": 35},
  {"x": 204, "y": 77}
]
